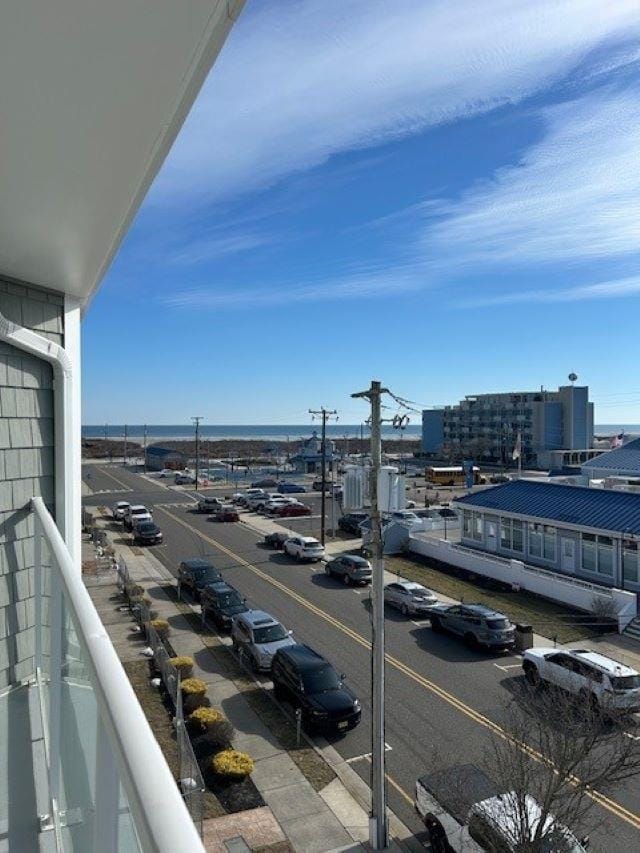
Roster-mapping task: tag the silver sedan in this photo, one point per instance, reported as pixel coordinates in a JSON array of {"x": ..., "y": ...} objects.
[{"x": 409, "y": 597}]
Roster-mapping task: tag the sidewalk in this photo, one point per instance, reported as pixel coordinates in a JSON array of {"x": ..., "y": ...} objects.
[{"x": 314, "y": 821}]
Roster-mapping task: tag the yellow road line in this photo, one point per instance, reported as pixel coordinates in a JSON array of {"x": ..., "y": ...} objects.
[{"x": 611, "y": 805}]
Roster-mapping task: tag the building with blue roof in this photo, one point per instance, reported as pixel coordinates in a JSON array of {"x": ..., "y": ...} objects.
[
  {"x": 575, "y": 530},
  {"x": 622, "y": 462}
]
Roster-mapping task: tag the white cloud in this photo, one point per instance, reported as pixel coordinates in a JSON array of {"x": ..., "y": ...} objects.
[
  {"x": 300, "y": 81},
  {"x": 363, "y": 284},
  {"x": 213, "y": 247},
  {"x": 617, "y": 288},
  {"x": 575, "y": 195}
]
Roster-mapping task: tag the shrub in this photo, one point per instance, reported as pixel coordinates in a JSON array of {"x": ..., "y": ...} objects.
[
  {"x": 218, "y": 729},
  {"x": 183, "y": 664},
  {"x": 193, "y": 687},
  {"x": 232, "y": 764},
  {"x": 134, "y": 591},
  {"x": 161, "y": 627}
]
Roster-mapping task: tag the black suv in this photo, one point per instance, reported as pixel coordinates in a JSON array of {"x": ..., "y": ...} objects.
[
  {"x": 351, "y": 522},
  {"x": 222, "y": 602},
  {"x": 311, "y": 683},
  {"x": 147, "y": 533},
  {"x": 196, "y": 574}
]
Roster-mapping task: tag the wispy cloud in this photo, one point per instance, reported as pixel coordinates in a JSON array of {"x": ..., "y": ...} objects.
[
  {"x": 617, "y": 288},
  {"x": 372, "y": 283},
  {"x": 575, "y": 195},
  {"x": 214, "y": 247},
  {"x": 301, "y": 81}
]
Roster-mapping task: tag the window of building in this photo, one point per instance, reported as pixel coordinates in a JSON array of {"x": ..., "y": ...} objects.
[
  {"x": 505, "y": 533},
  {"x": 589, "y": 552},
  {"x": 630, "y": 561},
  {"x": 466, "y": 523},
  {"x": 549, "y": 542},
  {"x": 605, "y": 555},
  {"x": 535, "y": 539},
  {"x": 597, "y": 554},
  {"x": 477, "y": 526},
  {"x": 517, "y": 534}
]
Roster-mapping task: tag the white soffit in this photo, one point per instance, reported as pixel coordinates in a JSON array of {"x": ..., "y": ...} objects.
[{"x": 92, "y": 95}]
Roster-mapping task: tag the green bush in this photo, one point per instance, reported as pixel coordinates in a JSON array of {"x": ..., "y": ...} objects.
[
  {"x": 183, "y": 664},
  {"x": 232, "y": 764}
]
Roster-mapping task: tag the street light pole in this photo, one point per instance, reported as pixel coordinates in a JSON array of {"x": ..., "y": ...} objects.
[
  {"x": 196, "y": 421},
  {"x": 379, "y": 823},
  {"x": 324, "y": 414},
  {"x": 145, "y": 448}
]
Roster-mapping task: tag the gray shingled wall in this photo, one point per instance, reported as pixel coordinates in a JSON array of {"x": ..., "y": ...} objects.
[{"x": 26, "y": 467}]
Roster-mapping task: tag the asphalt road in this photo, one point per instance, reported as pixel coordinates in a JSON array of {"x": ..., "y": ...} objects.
[{"x": 442, "y": 698}]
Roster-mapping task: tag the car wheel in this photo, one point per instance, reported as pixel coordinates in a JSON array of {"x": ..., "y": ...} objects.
[
  {"x": 346, "y": 579},
  {"x": 298, "y": 556},
  {"x": 532, "y": 675},
  {"x": 404, "y": 610},
  {"x": 436, "y": 625}
]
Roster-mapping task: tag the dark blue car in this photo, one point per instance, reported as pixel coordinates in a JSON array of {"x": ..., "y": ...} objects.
[{"x": 290, "y": 488}]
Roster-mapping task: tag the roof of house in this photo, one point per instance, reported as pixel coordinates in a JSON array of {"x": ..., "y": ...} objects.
[
  {"x": 601, "y": 509},
  {"x": 625, "y": 458},
  {"x": 156, "y": 450}
]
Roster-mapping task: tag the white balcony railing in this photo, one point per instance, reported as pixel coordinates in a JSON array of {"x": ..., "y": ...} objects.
[{"x": 109, "y": 786}]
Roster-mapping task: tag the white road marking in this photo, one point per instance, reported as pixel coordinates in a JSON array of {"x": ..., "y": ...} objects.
[
  {"x": 508, "y": 666},
  {"x": 366, "y": 756},
  {"x": 633, "y": 737},
  {"x": 422, "y": 624}
]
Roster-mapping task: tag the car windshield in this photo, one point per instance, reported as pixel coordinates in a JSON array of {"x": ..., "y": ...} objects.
[
  {"x": 146, "y": 527},
  {"x": 313, "y": 544},
  {"x": 230, "y": 599},
  {"x": 497, "y": 624},
  {"x": 560, "y": 841},
  {"x": 141, "y": 511},
  {"x": 319, "y": 680},
  {"x": 204, "y": 572},
  {"x": 269, "y": 634},
  {"x": 625, "y": 682}
]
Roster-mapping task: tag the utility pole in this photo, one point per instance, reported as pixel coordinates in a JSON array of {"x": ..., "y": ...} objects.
[
  {"x": 144, "y": 446},
  {"x": 124, "y": 454},
  {"x": 106, "y": 428},
  {"x": 378, "y": 824},
  {"x": 196, "y": 421},
  {"x": 325, "y": 415}
]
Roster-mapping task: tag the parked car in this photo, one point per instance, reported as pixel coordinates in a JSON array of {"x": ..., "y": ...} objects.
[
  {"x": 350, "y": 568},
  {"x": 276, "y": 540},
  {"x": 477, "y": 624},
  {"x": 607, "y": 684},
  {"x": 497, "y": 824},
  {"x": 147, "y": 533},
  {"x": 291, "y": 488},
  {"x": 406, "y": 516},
  {"x": 195, "y": 574},
  {"x": 292, "y": 510},
  {"x": 409, "y": 597},
  {"x": 265, "y": 483},
  {"x": 184, "y": 478},
  {"x": 222, "y": 602},
  {"x": 208, "y": 504},
  {"x": 304, "y": 548},
  {"x": 225, "y": 513},
  {"x": 242, "y": 497},
  {"x": 119, "y": 510},
  {"x": 317, "y": 484},
  {"x": 254, "y": 502},
  {"x": 274, "y": 503},
  {"x": 166, "y": 472},
  {"x": 257, "y": 636},
  {"x": 350, "y": 523},
  {"x": 136, "y": 513},
  {"x": 410, "y": 504},
  {"x": 309, "y": 682}
]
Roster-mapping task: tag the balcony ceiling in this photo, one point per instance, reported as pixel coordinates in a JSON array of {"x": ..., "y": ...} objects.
[{"x": 93, "y": 94}]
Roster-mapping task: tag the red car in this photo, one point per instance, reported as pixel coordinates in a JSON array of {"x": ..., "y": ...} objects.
[
  {"x": 225, "y": 513},
  {"x": 293, "y": 510}
]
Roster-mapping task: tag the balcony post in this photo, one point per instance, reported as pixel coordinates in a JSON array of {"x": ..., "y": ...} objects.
[
  {"x": 55, "y": 685},
  {"x": 107, "y": 795},
  {"x": 37, "y": 583}
]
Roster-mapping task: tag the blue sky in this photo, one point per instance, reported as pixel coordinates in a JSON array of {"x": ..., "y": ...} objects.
[{"x": 441, "y": 195}]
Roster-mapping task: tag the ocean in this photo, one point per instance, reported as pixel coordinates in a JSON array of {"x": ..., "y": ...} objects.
[{"x": 277, "y": 432}]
